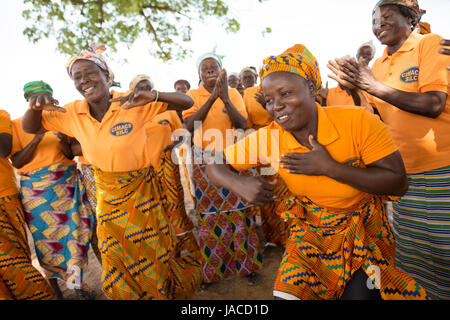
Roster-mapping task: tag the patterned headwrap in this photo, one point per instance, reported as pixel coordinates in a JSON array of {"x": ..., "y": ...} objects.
[
  {"x": 411, "y": 4},
  {"x": 424, "y": 28},
  {"x": 95, "y": 54},
  {"x": 33, "y": 87},
  {"x": 207, "y": 55},
  {"x": 297, "y": 60},
  {"x": 139, "y": 78}
]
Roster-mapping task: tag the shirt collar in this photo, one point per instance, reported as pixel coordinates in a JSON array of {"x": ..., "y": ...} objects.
[
  {"x": 83, "y": 106},
  {"x": 409, "y": 44},
  {"x": 326, "y": 132}
]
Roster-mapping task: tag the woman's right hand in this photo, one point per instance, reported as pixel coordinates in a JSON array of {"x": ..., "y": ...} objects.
[
  {"x": 335, "y": 67},
  {"x": 255, "y": 190},
  {"x": 44, "y": 101}
]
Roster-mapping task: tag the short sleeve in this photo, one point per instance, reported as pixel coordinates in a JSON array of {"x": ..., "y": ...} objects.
[
  {"x": 189, "y": 112},
  {"x": 17, "y": 143},
  {"x": 57, "y": 121},
  {"x": 5, "y": 122},
  {"x": 249, "y": 152},
  {"x": 374, "y": 139},
  {"x": 432, "y": 65}
]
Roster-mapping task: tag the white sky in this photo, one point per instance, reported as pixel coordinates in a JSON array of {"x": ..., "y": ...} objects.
[{"x": 328, "y": 28}]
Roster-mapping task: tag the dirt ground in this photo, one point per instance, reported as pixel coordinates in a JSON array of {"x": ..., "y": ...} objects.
[{"x": 232, "y": 288}]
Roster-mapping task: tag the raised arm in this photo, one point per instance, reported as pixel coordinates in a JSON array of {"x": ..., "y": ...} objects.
[
  {"x": 32, "y": 120},
  {"x": 5, "y": 144},
  {"x": 236, "y": 118}
]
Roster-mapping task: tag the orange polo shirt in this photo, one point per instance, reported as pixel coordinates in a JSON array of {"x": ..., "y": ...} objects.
[
  {"x": 339, "y": 97},
  {"x": 424, "y": 143},
  {"x": 8, "y": 184},
  {"x": 257, "y": 115},
  {"x": 47, "y": 152},
  {"x": 118, "y": 143},
  {"x": 351, "y": 135},
  {"x": 217, "y": 119},
  {"x": 160, "y": 131}
]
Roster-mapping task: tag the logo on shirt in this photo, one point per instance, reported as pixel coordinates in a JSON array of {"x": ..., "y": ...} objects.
[
  {"x": 224, "y": 110},
  {"x": 121, "y": 129},
  {"x": 410, "y": 75}
]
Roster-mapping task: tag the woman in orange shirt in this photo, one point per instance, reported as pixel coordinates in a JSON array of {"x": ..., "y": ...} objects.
[
  {"x": 18, "y": 278},
  {"x": 54, "y": 200},
  {"x": 408, "y": 86},
  {"x": 136, "y": 240},
  {"x": 338, "y": 163},
  {"x": 227, "y": 232}
]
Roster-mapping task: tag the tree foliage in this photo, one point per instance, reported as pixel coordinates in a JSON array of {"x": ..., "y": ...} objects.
[{"x": 75, "y": 24}]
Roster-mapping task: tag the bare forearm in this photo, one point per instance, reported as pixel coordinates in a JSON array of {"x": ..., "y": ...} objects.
[
  {"x": 175, "y": 100},
  {"x": 427, "y": 104},
  {"x": 32, "y": 121},
  {"x": 373, "y": 180},
  {"x": 5, "y": 144},
  {"x": 237, "y": 120},
  {"x": 199, "y": 115},
  {"x": 222, "y": 176},
  {"x": 24, "y": 156}
]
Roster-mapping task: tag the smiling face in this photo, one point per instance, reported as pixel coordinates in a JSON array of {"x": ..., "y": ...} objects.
[
  {"x": 390, "y": 26},
  {"x": 90, "y": 80},
  {"x": 290, "y": 100},
  {"x": 248, "y": 79},
  {"x": 209, "y": 72}
]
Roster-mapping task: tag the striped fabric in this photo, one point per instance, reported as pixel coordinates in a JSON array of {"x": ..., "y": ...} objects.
[
  {"x": 327, "y": 246},
  {"x": 18, "y": 278},
  {"x": 137, "y": 241},
  {"x": 422, "y": 231},
  {"x": 59, "y": 217}
]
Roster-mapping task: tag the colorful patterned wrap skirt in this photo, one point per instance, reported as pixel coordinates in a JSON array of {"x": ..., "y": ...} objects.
[
  {"x": 87, "y": 176},
  {"x": 137, "y": 240},
  {"x": 60, "y": 219},
  {"x": 422, "y": 231},
  {"x": 227, "y": 230},
  {"x": 327, "y": 246},
  {"x": 18, "y": 278}
]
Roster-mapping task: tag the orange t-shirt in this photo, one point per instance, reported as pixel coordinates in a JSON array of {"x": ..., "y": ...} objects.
[
  {"x": 8, "y": 184},
  {"x": 339, "y": 97},
  {"x": 159, "y": 133},
  {"x": 417, "y": 66},
  {"x": 206, "y": 137},
  {"x": 257, "y": 115},
  {"x": 47, "y": 152},
  {"x": 118, "y": 143},
  {"x": 351, "y": 135}
]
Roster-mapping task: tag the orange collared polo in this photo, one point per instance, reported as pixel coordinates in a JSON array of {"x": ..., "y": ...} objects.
[
  {"x": 257, "y": 115},
  {"x": 47, "y": 152},
  {"x": 8, "y": 184},
  {"x": 217, "y": 122},
  {"x": 424, "y": 143},
  {"x": 339, "y": 97},
  {"x": 118, "y": 143},
  {"x": 351, "y": 135}
]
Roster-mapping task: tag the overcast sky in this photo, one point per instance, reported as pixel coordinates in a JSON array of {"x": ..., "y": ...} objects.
[{"x": 329, "y": 28}]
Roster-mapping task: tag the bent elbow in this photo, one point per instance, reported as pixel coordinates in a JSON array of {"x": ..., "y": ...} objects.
[{"x": 403, "y": 187}]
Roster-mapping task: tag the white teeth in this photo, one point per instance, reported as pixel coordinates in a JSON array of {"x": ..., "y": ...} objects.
[
  {"x": 88, "y": 90},
  {"x": 283, "y": 117}
]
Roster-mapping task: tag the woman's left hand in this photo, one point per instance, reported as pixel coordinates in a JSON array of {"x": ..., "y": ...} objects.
[
  {"x": 135, "y": 99},
  {"x": 316, "y": 162},
  {"x": 359, "y": 74},
  {"x": 223, "y": 87}
]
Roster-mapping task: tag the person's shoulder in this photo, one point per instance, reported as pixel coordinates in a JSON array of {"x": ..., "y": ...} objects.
[
  {"x": 4, "y": 114},
  {"x": 345, "y": 114}
]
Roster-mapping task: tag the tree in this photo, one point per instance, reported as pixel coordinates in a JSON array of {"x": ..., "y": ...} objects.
[{"x": 77, "y": 23}]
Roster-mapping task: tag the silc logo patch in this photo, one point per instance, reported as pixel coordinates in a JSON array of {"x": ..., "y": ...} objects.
[
  {"x": 410, "y": 75},
  {"x": 121, "y": 129}
]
